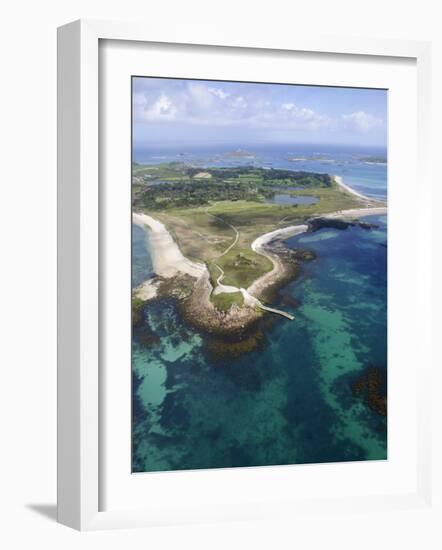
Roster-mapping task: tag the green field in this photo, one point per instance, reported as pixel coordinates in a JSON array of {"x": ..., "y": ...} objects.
[
  {"x": 204, "y": 214},
  {"x": 224, "y": 301}
]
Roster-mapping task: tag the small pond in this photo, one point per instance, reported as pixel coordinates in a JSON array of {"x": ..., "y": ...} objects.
[{"x": 280, "y": 198}]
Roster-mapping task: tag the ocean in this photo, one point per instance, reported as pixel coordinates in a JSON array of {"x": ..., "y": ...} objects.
[
  {"x": 348, "y": 162},
  {"x": 313, "y": 389}
]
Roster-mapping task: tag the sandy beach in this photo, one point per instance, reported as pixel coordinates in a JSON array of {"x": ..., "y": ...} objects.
[
  {"x": 258, "y": 244},
  {"x": 349, "y": 189},
  {"x": 357, "y": 213},
  {"x": 167, "y": 258},
  {"x": 285, "y": 232}
]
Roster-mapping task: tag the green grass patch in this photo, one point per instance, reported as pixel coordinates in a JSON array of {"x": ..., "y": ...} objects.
[
  {"x": 243, "y": 266},
  {"x": 224, "y": 301},
  {"x": 200, "y": 214}
]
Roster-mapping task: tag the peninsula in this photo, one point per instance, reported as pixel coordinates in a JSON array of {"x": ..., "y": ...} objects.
[{"x": 216, "y": 234}]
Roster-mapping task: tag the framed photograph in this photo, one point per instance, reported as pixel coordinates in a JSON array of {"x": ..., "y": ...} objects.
[{"x": 243, "y": 294}]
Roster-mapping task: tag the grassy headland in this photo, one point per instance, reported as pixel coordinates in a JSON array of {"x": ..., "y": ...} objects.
[{"x": 214, "y": 214}]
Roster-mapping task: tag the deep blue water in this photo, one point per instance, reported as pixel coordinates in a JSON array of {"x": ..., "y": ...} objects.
[{"x": 290, "y": 401}]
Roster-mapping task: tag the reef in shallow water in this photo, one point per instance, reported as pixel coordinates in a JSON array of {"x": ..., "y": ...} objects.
[{"x": 371, "y": 386}]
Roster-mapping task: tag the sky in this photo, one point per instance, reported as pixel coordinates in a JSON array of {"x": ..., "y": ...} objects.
[{"x": 191, "y": 112}]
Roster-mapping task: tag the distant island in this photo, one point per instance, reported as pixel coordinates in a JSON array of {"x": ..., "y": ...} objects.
[
  {"x": 373, "y": 160},
  {"x": 239, "y": 153},
  {"x": 216, "y": 235},
  {"x": 317, "y": 156}
]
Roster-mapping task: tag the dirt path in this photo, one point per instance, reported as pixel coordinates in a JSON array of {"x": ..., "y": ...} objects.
[{"x": 229, "y": 248}]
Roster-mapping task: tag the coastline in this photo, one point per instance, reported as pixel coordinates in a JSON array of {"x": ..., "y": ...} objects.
[
  {"x": 278, "y": 271},
  {"x": 260, "y": 243},
  {"x": 167, "y": 258},
  {"x": 170, "y": 264},
  {"x": 344, "y": 187},
  {"x": 356, "y": 213}
]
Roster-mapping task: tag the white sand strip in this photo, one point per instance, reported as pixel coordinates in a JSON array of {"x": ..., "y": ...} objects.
[
  {"x": 220, "y": 288},
  {"x": 284, "y": 233},
  {"x": 356, "y": 213},
  {"x": 258, "y": 246},
  {"x": 352, "y": 191},
  {"x": 225, "y": 289},
  {"x": 349, "y": 189},
  {"x": 167, "y": 258}
]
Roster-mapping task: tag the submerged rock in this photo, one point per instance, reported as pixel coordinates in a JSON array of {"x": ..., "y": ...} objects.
[
  {"x": 137, "y": 312},
  {"x": 225, "y": 348},
  {"x": 289, "y": 301},
  {"x": 193, "y": 298},
  {"x": 147, "y": 337},
  {"x": 372, "y": 387}
]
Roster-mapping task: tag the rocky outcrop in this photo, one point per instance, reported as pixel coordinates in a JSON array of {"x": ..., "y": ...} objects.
[
  {"x": 314, "y": 224},
  {"x": 199, "y": 311},
  {"x": 371, "y": 386}
]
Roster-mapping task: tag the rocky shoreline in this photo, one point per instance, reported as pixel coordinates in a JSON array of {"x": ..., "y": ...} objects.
[
  {"x": 200, "y": 312},
  {"x": 193, "y": 297},
  {"x": 289, "y": 264},
  {"x": 193, "y": 293}
]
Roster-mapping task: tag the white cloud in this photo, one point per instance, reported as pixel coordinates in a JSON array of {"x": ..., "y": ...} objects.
[
  {"x": 162, "y": 108},
  {"x": 239, "y": 101},
  {"x": 200, "y": 104},
  {"x": 291, "y": 115},
  {"x": 200, "y": 99},
  {"x": 219, "y": 93},
  {"x": 139, "y": 100},
  {"x": 364, "y": 122}
]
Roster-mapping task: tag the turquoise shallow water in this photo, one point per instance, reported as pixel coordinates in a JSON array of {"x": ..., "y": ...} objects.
[
  {"x": 288, "y": 402},
  {"x": 141, "y": 259}
]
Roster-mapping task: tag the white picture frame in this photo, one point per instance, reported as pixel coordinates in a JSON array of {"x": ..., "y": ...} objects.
[{"x": 79, "y": 293}]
